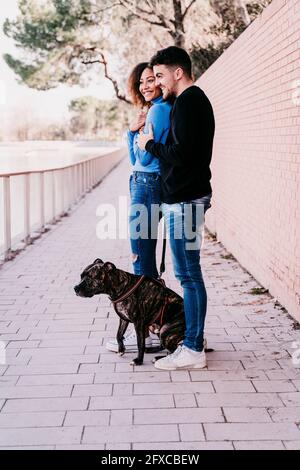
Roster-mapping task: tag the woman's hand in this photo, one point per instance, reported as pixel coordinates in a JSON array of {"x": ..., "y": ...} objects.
[{"x": 138, "y": 122}]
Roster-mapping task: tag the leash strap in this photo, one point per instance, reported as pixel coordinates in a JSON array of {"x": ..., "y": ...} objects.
[{"x": 163, "y": 255}]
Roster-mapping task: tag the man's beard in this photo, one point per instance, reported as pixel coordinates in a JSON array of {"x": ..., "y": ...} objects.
[{"x": 167, "y": 94}]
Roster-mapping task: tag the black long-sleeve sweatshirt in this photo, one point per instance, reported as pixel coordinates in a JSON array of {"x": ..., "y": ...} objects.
[{"x": 186, "y": 156}]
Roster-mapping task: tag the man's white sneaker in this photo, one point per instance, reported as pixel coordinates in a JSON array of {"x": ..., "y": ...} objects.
[
  {"x": 182, "y": 358},
  {"x": 130, "y": 343}
]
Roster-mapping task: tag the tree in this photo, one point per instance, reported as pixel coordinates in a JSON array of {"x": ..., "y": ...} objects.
[
  {"x": 76, "y": 41},
  {"x": 156, "y": 13},
  {"x": 98, "y": 119},
  {"x": 233, "y": 18},
  {"x": 61, "y": 39}
]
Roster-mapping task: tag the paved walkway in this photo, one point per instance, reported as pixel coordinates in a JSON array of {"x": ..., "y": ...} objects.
[{"x": 61, "y": 389}]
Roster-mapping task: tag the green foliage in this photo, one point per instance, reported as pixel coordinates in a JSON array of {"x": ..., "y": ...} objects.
[
  {"x": 258, "y": 291},
  {"x": 47, "y": 37},
  {"x": 225, "y": 32},
  {"x": 54, "y": 38},
  {"x": 204, "y": 56},
  {"x": 20, "y": 68}
]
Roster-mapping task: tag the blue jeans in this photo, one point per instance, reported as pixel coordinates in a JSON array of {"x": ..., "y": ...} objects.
[
  {"x": 145, "y": 207},
  {"x": 184, "y": 224}
]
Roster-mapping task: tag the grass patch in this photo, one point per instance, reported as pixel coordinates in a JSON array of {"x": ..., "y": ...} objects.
[
  {"x": 212, "y": 236},
  {"x": 258, "y": 291},
  {"x": 228, "y": 256}
]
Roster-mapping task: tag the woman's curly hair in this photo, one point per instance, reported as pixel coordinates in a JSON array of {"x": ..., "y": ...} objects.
[{"x": 134, "y": 84}]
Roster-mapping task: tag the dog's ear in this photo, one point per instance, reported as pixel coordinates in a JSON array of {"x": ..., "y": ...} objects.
[
  {"x": 109, "y": 267},
  {"x": 98, "y": 261}
]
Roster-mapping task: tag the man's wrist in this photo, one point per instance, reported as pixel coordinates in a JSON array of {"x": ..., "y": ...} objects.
[{"x": 149, "y": 144}]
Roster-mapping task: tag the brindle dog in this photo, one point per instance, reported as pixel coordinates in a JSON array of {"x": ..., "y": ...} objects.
[{"x": 142, "y": 307}]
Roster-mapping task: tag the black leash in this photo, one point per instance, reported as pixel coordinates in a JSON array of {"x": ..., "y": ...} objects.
[{"x": 163, "y": 255}]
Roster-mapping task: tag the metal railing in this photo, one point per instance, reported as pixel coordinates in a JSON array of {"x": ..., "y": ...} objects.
[{"x": 68, "y": 185}]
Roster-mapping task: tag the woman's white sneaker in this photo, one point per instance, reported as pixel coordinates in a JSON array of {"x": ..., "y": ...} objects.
[
  {"x": 182, "y": 358},
  {"x": 130, "y": 343}
]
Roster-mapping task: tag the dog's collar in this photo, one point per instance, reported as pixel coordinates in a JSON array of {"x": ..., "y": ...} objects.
[{"x": 127, "y": 294}]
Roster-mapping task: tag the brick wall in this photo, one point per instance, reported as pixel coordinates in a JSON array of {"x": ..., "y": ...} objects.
[{"x": 254, "y": 88}]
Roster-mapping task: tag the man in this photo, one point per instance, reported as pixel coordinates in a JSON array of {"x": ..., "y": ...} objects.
[{"x": 186, "y": 192}]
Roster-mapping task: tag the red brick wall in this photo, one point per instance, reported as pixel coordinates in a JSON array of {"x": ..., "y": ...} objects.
[{"x": 254, "y": 88}]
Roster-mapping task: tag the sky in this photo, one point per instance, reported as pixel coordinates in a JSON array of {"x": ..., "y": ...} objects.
[{"x": 49, "y": 105}]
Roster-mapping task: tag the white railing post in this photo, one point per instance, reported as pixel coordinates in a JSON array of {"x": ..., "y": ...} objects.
[
  {"x": 53, "y": 196},
  {"x": 69, "y": 188},
  {"x": 7, "y": 216},
  {"x": 81, "y": 179},
  {"x": 27, "y": 207},
  {"x": 78, "y": 181},
  {"x": 42, "y": 206},
  {"x": 62, "y": 190},
  {"x": 73, "y": 184}
]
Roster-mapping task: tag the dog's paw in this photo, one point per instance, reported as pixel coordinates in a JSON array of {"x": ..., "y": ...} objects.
[
  {"x": 136, "y": 362},
  {"x": 121, "y": 353}
]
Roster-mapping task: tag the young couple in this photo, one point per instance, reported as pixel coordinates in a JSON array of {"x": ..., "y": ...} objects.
[{"x": 170, "y": 149}]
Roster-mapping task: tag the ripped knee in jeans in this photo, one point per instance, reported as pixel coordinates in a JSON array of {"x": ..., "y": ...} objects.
[{"x": 134, "y": 257}]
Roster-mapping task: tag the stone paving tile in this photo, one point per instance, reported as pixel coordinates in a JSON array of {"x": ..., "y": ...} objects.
[
  {"x": 292, "y": 445},
  {"x": 45, "y": 404},
  {"x": 134, "y": 433},
  {"x": 60, "y": 382},
  {"x": 36, "y": 392},
  {"x": 41, "y": 436},
  {"x": 56, "y": 379},
  {"x": 285, "y": 415},
  {"x": 167, "y": 388},
  {"x": 179, "y": 416},
  {"x": 81, "y": 447},
  {"x": 28, "y": 448},
  {"x": 185, "y": 400},
  {"x": 246, "y": 415},
  {"x": 183, "y": 446},
  {"x": 132, "y": 402},
  {"x": 87, "y": 418},
  {"x": 251, "y": 431},
  {"x": 117, "y": 446},
  {"x": 258, "y": 445},
  {"x": 31, "y": 420},
  {"x": 239, "y": 399}
]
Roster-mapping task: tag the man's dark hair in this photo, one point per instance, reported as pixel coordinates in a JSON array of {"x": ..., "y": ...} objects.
[{"x": 173, "y": 56}]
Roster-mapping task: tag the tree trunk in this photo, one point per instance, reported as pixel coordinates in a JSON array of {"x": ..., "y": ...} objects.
[
  {"x": 241, "y": 11},
  {"x": 178, "y": 34}
]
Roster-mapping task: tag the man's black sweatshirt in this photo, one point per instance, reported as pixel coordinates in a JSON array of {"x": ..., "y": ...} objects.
[{"x": 185, "y": 158}]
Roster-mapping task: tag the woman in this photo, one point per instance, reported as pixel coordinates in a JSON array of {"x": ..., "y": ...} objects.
[{"x": 145, "y": 180}]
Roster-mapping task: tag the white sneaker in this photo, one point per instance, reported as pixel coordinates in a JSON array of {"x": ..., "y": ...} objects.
[
  {"x": 155, "y": 340},
  {"x": 130, "y": 343},
  {"x": 182, "y": 358}
]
